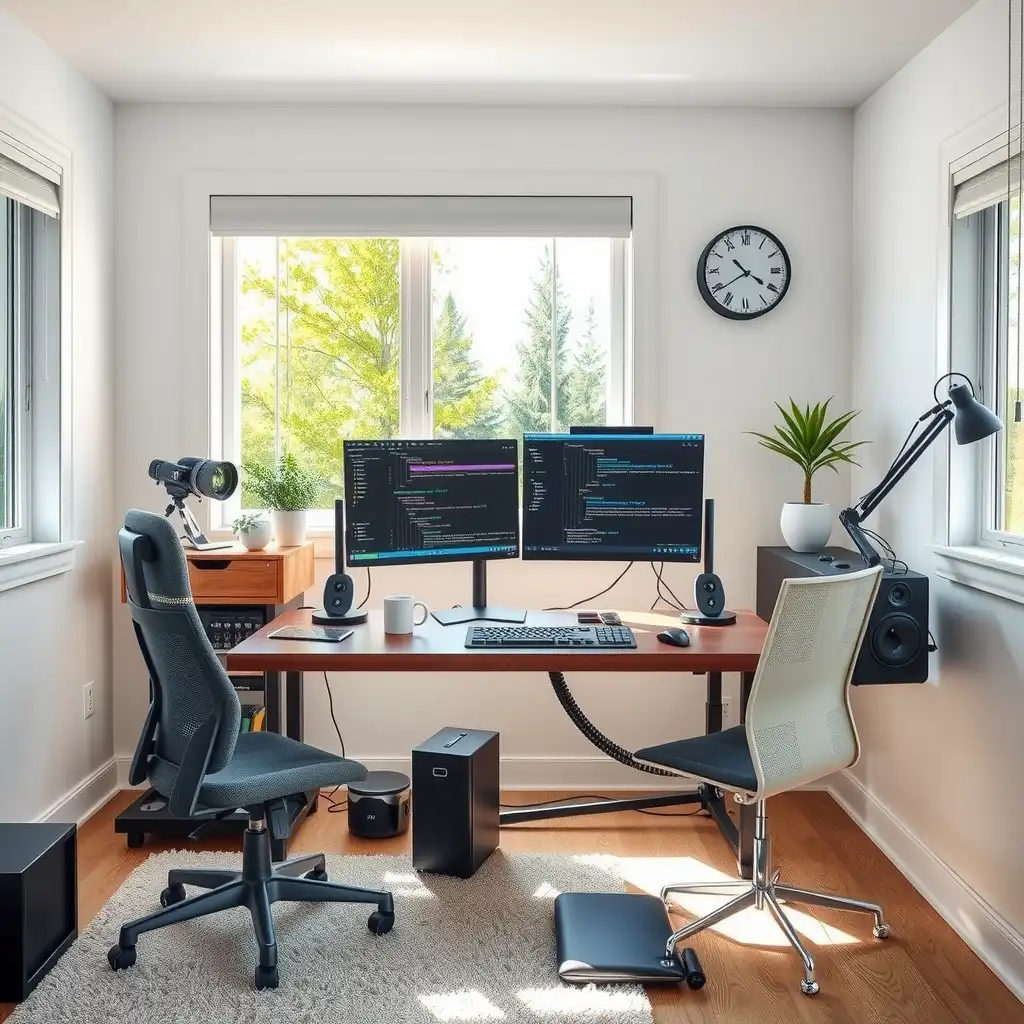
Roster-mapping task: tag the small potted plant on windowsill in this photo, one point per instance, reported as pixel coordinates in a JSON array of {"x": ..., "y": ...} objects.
[
  {"x": 254, "y": 531},
  {"x": 807, "y": 439},
  {"x": 289, "y": 491}
]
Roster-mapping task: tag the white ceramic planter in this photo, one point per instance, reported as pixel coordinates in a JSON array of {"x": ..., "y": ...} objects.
[
  {"x": 289, "y": 528},
  {"x": 806, "y": 527},
  {"x": 258, "y": 537}
]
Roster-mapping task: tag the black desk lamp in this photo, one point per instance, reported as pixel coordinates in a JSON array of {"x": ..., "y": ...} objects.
[{"x": 971, "y": 422}]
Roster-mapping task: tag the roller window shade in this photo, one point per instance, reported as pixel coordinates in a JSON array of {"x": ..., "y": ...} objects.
[
  {"x": 423, "y": 216},
  {"x": 28, "y": 180},
  {"x": 986, "y": 188}
]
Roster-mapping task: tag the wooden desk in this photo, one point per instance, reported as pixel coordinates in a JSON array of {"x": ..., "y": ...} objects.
[{"x": 435, "y": 648}]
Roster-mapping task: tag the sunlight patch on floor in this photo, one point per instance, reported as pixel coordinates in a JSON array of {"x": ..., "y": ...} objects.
[
  {"x": 750, "y": 927},
  {"x": 407, "y": 883},
  {"x": 598, "y": 1003},
  {"x": 546, "y": 891},
  {"x": 467, "y": 1005}
]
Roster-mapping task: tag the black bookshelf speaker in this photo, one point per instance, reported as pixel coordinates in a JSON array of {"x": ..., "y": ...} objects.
[
  {"x": 340, "y": 588},
  {"x": 895, "y": 647}
]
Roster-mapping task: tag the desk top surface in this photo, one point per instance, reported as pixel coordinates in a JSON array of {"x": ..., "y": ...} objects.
[{"x": 436, "y": 648}]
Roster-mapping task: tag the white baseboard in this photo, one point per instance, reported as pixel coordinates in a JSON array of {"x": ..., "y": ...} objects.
[
  {"x": 990, "y": 935},
  {"x": 87, "y": 797}
]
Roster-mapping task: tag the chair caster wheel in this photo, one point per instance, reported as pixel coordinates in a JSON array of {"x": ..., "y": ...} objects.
[
  {"x": 172, "y": 894},
  {"x": 380, "y": 923},
  {"x": 316, "y": 875},
  {"x": 809, "y": 988},
  {"x": 121, "y": 959},
  {"x": 881, "y": 931},
  {"x": 266, "y": 977}
]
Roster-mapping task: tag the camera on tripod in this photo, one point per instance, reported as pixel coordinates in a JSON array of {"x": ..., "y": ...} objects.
[{"x": 201, "y": 478}]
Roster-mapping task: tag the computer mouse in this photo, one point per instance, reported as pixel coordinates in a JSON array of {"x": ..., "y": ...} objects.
[{"x": 675, "y": 637}]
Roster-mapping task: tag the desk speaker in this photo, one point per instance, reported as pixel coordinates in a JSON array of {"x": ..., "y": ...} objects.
[{"x": 895, "y": 648}]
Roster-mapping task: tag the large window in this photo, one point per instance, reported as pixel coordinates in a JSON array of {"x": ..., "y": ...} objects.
[
  {"x": 986, "y": 335},
  {"x": 468, "y": 336}
]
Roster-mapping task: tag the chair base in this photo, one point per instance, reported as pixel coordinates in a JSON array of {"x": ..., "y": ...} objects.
[
  {"x": 765, "y": 893},
  {"x": 258, "y": 885}
]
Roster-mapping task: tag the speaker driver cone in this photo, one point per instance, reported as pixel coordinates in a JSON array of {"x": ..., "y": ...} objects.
[{"x": 896, "y": 640}]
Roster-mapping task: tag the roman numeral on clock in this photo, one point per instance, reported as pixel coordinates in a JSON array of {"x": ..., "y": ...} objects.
[
  {"x": 718, "y": 287},
  {"x": 772, "y": 288},
  {"x": 728, "y": 298},
  {"x": 728, "y": 245},
  {"x": 746, "y": 305},
  {"x": 745, "y": 238},
  {"x": 776, "y": 270}
]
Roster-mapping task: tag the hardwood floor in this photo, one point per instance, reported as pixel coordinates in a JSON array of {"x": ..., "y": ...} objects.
[{"x": 923, "y": 974}]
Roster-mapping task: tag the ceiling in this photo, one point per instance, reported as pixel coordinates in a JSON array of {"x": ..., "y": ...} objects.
[{"x": 753, "y": 52}]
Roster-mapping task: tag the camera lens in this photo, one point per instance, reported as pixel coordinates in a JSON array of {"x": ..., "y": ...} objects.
[{"x": 216, "y": 480}]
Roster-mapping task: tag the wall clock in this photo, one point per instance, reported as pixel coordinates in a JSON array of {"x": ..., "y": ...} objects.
[{"x": 743, "y": 272}]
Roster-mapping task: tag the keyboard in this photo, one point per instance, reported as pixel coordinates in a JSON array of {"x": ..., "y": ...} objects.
[{"x": 573, "y": 638}]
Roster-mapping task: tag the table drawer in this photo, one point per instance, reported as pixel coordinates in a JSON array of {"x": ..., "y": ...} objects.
[{"x": 234, "y": 578}]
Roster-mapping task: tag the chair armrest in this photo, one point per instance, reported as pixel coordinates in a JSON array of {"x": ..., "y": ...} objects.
[{"x": 192, "y": 770}]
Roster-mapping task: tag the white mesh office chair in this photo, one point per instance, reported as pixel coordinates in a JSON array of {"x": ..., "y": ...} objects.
[{"x": 798, "y": 728}]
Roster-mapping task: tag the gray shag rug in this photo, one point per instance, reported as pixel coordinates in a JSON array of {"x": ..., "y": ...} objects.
[{"x": 480, "y": 949}]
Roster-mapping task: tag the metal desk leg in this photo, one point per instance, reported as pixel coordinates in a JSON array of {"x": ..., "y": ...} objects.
[
  {"x": 713, "y": 704},
  {"x": 272, "y": 699},
  {"x": 747, "y": 812},
  {"x": 293, "y": 705}
]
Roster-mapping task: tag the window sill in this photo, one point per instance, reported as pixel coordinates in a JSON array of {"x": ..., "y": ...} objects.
[
  {"x": 986, "y": 569},
  {"x": 28, "y": 563}
]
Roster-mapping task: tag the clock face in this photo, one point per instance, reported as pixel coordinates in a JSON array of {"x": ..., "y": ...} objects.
[{"x": 743, "y": 273}]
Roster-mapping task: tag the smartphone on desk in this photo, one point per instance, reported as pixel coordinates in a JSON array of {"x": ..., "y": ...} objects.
[{"x": 324, "y": 634}]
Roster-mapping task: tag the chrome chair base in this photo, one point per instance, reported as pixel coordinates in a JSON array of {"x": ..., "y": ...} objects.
[{"x": 766, "y": 893}]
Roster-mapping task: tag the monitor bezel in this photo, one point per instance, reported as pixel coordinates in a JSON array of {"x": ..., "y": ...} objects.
[
  {"x": 378, "y": 561},
  {"x": 595, "y": 554}
]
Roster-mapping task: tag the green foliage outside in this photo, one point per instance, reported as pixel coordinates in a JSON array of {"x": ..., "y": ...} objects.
[{"x": 340, "y": 338}]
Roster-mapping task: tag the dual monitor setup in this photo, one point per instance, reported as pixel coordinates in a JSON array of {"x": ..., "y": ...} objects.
[{"x": 597, "y": 493}]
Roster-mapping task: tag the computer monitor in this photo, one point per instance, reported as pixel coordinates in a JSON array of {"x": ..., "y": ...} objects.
[
  {"x": 411, "y": 502},
  {"x": 613, "y": 497}
]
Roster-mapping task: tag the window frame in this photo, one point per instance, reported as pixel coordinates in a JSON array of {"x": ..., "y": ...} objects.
[
  {"x": 416, "y": 361},
  {"x": 19, "y": 355}
]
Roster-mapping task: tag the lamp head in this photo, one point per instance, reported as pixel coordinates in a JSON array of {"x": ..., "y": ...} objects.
[{"x": 972, "y": 421}]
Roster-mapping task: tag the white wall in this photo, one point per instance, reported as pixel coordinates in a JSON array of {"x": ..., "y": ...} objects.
[
  {"x": 55, "y": 635},
  {"x": 946, "y": 759},
  {"x": 788, "y": 170}
]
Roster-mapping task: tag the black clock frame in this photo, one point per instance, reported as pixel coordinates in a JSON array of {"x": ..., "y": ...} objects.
[{"x": 706, "y": 293}]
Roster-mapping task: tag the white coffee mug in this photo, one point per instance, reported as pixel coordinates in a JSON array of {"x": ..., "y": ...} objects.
[{"x": 400, "y": 611}]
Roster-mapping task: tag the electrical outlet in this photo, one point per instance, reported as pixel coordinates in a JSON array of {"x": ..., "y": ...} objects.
[
  {"x": 727, "y": 719},
  {"x": 88, "y": 700}
]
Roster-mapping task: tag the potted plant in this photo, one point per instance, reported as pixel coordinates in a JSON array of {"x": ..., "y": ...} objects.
[
  {"x": 253, "y": 530},
  {"x": 289, "y": 491},
  {"x": 811, "y": 440}
]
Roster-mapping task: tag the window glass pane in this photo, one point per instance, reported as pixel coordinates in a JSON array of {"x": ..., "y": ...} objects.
[
  {"x": 7, "y": 349},
  {"x": 1011, "y": 444},
  {"x": 319, "y": 338},
  {"x": 510, "y": 317}
]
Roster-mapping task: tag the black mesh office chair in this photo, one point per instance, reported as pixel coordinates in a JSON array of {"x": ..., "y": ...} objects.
[{"x": 192, "y": 753}]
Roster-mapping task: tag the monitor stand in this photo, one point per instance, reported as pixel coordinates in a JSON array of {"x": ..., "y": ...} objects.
[{"x": 480, "y": 611}]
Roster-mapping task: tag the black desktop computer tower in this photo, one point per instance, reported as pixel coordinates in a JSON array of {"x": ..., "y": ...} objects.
[
  {"x": 895, "y": 648},
  {"x": 455, "y": 801}
]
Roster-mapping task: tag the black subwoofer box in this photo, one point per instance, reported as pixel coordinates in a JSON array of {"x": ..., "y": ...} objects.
[
  {"x": 895, "y": 648},
  {"x": 455, "y": 788},
  {"x": 38, "y": 903}
]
